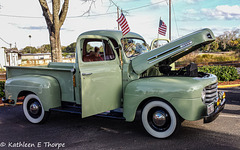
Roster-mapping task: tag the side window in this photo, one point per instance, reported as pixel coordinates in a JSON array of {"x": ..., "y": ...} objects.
[{"x": 97, "y": 50}]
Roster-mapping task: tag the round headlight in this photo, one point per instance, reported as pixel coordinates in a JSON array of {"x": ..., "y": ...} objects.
[{"x": 204, "y": 95}]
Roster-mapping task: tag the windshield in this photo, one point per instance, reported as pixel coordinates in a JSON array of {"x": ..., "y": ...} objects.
[{"x": 134, "y": 47}]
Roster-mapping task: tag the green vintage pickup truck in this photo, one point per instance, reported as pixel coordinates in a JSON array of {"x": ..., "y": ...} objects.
[{"x": 117, "y": 77}]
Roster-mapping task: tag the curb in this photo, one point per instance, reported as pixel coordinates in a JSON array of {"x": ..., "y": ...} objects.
[
  {"x": 18, "y": 103},
  {"x": 228, "y": 86}
]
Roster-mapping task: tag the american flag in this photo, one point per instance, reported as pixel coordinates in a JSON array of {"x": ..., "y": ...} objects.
[
  {"x": 123, "y": 24},
  {"x": 162, "y": 28}
]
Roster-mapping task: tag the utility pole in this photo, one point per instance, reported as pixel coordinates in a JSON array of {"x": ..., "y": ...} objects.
[
  {"x": 117, "y": 12},
  {"x": 30, "y": 43},
  {"x": 118, "y": 17},
  {"x": 170, "y": 20}
]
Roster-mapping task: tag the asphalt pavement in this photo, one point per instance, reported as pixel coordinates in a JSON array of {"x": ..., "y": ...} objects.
[{"x": 69, "y": 131}]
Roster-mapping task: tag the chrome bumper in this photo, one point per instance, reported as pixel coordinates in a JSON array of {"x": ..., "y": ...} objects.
[{"x": 219, "y": 106}]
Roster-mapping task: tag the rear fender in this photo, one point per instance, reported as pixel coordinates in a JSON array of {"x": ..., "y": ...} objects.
[{"x": 45, "y": 87}]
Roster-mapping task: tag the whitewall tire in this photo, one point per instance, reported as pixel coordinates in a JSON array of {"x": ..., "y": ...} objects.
[
  {"x": 159, "y": 119},
  {"x": 33, "y": 109}
]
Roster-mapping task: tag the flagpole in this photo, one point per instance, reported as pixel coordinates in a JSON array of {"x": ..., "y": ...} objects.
[
  {"x": 158, "y": 26},
  {"x": 158, "y": 34}
]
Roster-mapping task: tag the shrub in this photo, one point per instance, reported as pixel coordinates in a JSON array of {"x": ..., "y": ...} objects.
[
  {"x": 2, "y": 94},
  {"x": 223, "y": 73},
  {"x": 2, "y": 69}
]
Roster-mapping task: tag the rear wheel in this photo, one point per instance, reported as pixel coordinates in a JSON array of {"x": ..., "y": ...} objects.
[
  {"x": 33, "y": 109},
  {"x": 159, "y": 119}
]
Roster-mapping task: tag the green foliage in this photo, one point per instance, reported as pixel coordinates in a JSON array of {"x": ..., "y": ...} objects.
[
  {"x": 30, "y": 49},
  {"x": 46, "y": 48},
  {"x": 2, "y": 94},
  {"x": 2, "y": 69},
  {"x": 224, "y": 73},
  {"x": 70, "y": 48},
  {"x": 89, "y": 48},
  {"x": 229, "y": 41},
  {"x": 65, "y": 54}
]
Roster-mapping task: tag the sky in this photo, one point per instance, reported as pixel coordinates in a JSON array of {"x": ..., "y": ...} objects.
[{"x": 20, "y": 19}]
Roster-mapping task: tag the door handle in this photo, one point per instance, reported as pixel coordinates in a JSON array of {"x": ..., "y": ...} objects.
[{"x": 86, "y": 74}]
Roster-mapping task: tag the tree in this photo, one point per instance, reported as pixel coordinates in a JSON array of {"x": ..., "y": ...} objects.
[
  {"x": 214, "y": 46},
  {"x": 29, "y": 49},
  {"x": 54, "y": 22},
  {"x": 227, "y": 40},
  {"x": 70, "y": 48},
  {"x": 46, "y": 48}
]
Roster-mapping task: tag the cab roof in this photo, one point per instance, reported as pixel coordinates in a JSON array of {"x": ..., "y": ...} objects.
[{"x": 113, "y": 34}]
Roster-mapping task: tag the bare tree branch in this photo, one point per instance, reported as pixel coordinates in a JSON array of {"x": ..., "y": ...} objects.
[
  {"x": 90, "y": 6},
  {"x": 63, "y": 12},
  {"x": 46, "y": 12}
]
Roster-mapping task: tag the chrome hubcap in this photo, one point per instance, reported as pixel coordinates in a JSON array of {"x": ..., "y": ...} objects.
[
  {"x": 159, "y": 118},
  {"x": 34, "y": 108}
]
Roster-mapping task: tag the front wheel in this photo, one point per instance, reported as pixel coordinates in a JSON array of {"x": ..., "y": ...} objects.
[
  {"x": 33, "y": 109},
  {"x": 159, "y": 119}
]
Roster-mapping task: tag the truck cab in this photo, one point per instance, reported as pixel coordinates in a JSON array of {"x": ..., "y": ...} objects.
[{"x": 116, "y": 76}]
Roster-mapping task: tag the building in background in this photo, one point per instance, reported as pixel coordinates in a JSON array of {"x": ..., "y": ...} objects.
[
  {"x": 9, "y": 57},
  {"x": 30, "y": 56},
  {"x": 2, "y": 58}
]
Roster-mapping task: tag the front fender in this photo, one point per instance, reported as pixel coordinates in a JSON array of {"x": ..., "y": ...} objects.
[
  {"x": 45, "y": 87},
  {"x": 183, "y": 93}
]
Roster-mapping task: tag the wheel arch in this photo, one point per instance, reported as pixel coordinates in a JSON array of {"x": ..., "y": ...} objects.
[
  {"x": 130, "y": 112},
  {"x": 150, "y": 99},
  {"x": 25, "y": 93},
  {"x": 131, "y": 107}
]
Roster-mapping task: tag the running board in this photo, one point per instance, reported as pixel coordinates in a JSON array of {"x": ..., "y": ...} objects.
[
  {"x": 67, "y": 110},
  {"x": 114, "y": 114}
]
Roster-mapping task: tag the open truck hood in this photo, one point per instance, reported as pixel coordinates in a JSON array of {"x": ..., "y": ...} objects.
[{"x": 173, "y": 50}]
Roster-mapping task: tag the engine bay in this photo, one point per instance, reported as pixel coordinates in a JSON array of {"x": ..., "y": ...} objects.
[{"x": 190, "y": 70}]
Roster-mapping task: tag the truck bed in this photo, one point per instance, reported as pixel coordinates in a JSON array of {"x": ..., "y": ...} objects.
[{"x": 63, "y": 72}]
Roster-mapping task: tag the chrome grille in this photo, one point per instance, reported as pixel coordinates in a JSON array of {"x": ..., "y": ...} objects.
[{"x": 211, "y": 92}]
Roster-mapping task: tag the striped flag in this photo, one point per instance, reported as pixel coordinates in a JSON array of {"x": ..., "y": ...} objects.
[
  {"x": 162, "y": 28},
  {"x": 123, "y": 24}
]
